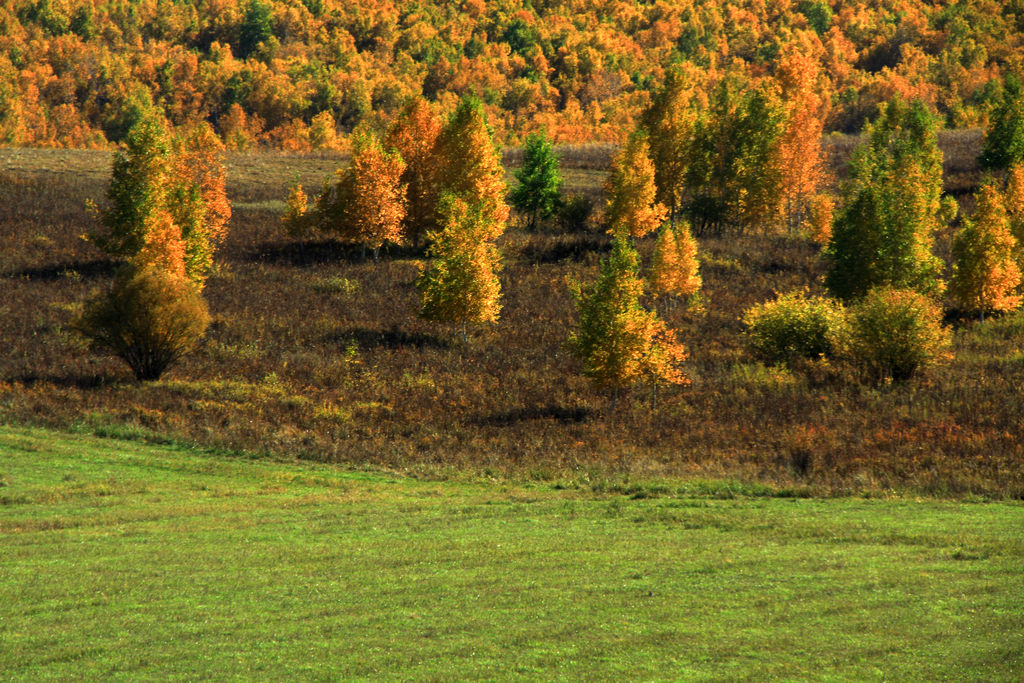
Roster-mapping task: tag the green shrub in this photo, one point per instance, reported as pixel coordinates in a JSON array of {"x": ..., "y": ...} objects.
[
  {"x": 149, "y": 319},
  {"x": 893, "y": 333},
  {"x": 793, "y": 326}
]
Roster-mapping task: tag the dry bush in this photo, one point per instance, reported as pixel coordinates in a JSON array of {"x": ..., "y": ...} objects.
[{"x": 149, "y": 319}]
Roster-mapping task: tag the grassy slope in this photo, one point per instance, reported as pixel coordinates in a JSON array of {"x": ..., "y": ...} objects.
[{"x": 118, "y": 559}]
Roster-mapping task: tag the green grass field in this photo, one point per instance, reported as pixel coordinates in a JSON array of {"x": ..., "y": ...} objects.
[{"x": 125, "y": 560}]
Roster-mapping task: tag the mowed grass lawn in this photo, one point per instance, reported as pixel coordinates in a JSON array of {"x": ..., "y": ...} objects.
[{"x": 125, "y": 560}]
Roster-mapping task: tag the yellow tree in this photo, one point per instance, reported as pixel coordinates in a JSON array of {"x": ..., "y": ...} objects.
[
  {"x": 799, "y": 158},
  {"x": 985, "y": 273},
  {"x": 618, "y": 341},
  {"x": 198, "y": 200},
  {"x": 377, "y": 207},
  {"x": 470, "y": 164},
  {"x": 630, "y": 189},
  {"x": 1014, "y": 202},
  {"x": 414, "y": 135},
  {"x": 461, "y": 285},
  {"x": 675, "y": 268},
  {"x": 367, "y": 202},
  {"x": 668, "y": 123}
]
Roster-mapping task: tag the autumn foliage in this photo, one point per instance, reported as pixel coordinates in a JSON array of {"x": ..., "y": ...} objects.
[
  {"x": 461, "y": 284},
  {"x": 630, "y": 189},
  {"x": 675, "y": 270},
  {"x": 986, "y": 276},
  {"x": 618, "y": 342}
]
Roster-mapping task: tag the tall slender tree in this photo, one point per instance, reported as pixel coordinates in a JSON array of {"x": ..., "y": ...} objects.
[
  {"x": 414, "y": 135},
  {"x": 470, "y": 163},
  {"x": 985, "y": 273},
  {"x": 461, "y": 284},
  {"x": 675, "y": 270}
]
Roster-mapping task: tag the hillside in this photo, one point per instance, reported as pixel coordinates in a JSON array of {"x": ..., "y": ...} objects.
[
  {"x": 316, "y": 352},
  {"x": 297, "y": 74}
]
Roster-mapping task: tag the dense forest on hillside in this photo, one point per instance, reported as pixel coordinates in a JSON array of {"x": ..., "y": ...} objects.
[{"x": 302, "y": 74}]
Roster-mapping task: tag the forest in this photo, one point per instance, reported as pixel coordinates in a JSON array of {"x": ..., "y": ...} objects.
[{"x": 303, "y": 74}]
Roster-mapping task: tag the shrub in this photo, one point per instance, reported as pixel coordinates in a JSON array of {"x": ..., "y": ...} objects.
[
  {"x": 574, "y": 213},
  {"x": 893, "y": 333},
  {"x": 793, "y": 326},
  {"x": 149, "y": 319}
]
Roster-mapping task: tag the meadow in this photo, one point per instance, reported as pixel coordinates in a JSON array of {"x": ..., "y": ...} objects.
[
  {"x": 317, "y": 354},
  {"x": 124, "y": 560}
]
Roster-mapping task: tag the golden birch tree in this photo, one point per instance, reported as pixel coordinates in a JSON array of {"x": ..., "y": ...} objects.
[
  {"x": 631, "y": 191},
  {"x": 675, "y": 270},
  {"x": 414, "y": 135},
  {"x": 461, "y": 284},
  {"x": 986, "y": 276},
  {"x": 619, "y": 342}
]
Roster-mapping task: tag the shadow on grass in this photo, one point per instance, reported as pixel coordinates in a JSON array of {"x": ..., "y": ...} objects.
[
  {"x": 325, "y": 252},
  {"x": 393, "y": 338},
  {"x": 89, "y": 270},
  {"x": 575, "y": 248},
  {"x": 549, "y": 412},
  {"x": 71, "y": 381}
]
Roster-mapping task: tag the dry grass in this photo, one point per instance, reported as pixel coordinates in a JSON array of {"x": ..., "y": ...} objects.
[{"x": 317, "y": 353}]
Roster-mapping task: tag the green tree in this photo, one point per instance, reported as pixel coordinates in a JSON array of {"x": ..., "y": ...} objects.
[
  {"x": 884, "y": 232},
  {"x": 1004, "y": 140},
  {"x": 164, "y": 191},
  {"x": 733, "y": 180},
  {"x": 138, "y": 187},
  {"x": 255, "y": 28},
  {"x": 669, "y": 122},
  {"x": 618, "y": 341},
  {"x": 540, "y": 183}
]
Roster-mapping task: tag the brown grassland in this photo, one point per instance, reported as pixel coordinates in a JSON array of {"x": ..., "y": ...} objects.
[{"x": 317, "y": 354}]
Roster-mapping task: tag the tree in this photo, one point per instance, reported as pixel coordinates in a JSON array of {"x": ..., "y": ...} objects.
[
  {"x": 367, "y": 203},
  {"x": 138, "y": 188},
  {"x": 414, "y": 135},
  {"x": 669, "y": 122},
  {"x": 618, "y": 341},
  {"x": 631, "y": 190},
  {"x": 540, "y": 183},
  {"x": 198, "y": 199},
  {"x": 255, "y": 28},
  {"x": 800, "y": 164},
  {"x": 674, "y": 268},
  {"x": 470, "y": 164},
  {"x": 884, "y": 232},
  {"x": 1004, "y": 140},
  {"x": 150, "y": 318},
  {"x": 169, "y": 191},
  {"x": 985, "y": 273},
  {"x": 733, "y": 178},
  {"x": 461, "y": 285}
]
